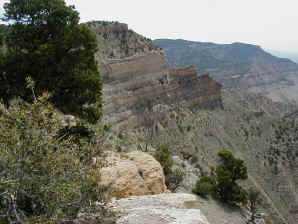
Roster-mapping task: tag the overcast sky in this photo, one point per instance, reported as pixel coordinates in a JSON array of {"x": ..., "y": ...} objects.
[{"x": 272, "y": 24}]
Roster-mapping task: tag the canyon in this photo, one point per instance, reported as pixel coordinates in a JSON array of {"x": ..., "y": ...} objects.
[
  {"x": 237, "y": 65},
  {"x": 188, "y": 110}
]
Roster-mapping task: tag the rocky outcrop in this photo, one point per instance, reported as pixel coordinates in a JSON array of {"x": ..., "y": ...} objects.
[
  {"x": 116, "y": 41},
  {"x": 135, "y": 173},
  {"x": 108, "y": 27},
  {"x": 136, "y": 78},
  {"x": 158, "y": 209},
  {"x": 133, "y": 86}
]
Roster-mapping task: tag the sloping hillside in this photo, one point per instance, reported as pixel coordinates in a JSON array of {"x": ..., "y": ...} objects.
[
  {"x": 237, "y": 65},
  {"x": 268, "y": 145}
]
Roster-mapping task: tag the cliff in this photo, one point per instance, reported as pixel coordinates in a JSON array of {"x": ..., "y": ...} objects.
[
  {"x": 141, "y": 90},
  {"x": 117, "y": 41},
  {"x": 133, "y": 86},
  {"x": 136, "y": 78}
]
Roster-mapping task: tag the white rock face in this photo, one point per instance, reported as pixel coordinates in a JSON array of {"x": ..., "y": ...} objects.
[
  {"x": 191, "y": 175},
  {"x": 158, "y": 209}
]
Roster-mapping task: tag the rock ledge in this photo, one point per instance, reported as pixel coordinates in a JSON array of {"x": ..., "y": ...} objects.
[{"x": 158, "y": 209}]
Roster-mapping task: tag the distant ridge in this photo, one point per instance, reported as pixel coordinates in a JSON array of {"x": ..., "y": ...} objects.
[
  {"x": 237, "y": 65},
  {"x": 282, "y": 54}
]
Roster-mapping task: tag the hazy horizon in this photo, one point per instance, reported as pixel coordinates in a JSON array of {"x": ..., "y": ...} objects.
[{"x": 269, "y": 24}]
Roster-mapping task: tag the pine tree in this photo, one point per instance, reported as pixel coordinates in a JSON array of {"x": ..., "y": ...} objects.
[{"x": 46, "y": 42}]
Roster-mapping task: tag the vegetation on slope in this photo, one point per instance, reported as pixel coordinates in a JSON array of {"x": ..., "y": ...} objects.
[
  {"x": 222, "y": 184},
  {"x": 44, "y": 178},
  {"x": 267, "y": 144}
]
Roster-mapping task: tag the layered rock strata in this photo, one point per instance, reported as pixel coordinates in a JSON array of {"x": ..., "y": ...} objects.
[
  {"x": 136, "y": 77},
  {"x": 133, "y": 86}
]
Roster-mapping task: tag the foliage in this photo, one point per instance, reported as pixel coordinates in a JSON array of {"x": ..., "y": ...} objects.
[
  {"x": 42, "y": 178},
  {"x": 3, "y": 30},
  {"x": 204, "y": 187},
  {"x": 164, "y": 157},
  {"x": 80, "y": 133},
  {"x": 46, "y": 41},
  {"x": 186, "y": 155},
  {"x": 173, "y": 177},
  {"x": 222, "y": 184},
  {"x": 235, "y": 166}
]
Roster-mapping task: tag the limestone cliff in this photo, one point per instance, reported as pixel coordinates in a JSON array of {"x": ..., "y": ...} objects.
[
  {"x": 116, "y": 41},
  {"x": 136, "y": 77}
]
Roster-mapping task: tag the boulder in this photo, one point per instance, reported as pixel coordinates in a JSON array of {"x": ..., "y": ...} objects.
[{"x": 135, "y": 173}]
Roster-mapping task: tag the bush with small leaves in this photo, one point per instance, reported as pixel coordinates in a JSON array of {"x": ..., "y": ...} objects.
[
  {"x": 164, "y": 157},
  {"x": 41, "y": 177},
  {"x": 204, "y": 187},
  {"x": 173, "y": 177}
]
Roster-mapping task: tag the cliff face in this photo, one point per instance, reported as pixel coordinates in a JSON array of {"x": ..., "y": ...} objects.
[
  {"x": 138, "y": 80},
  {"x": 116, "y": 41},
  {"x": 133, "y": 86}
]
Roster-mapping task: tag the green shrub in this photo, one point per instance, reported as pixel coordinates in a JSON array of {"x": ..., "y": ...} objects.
[
  {"x": 164, "y": 157},
  {"x": 42, "y": 178},
  {"x": 186, "y": 155},
  {"x": 174, "y": 178},
  {"x": 222, "y": 184},
  {"x": 79, "y": 133},
  {"x": 204, "y": 186},
  {"x": 227, "y": 173},
  {"x": 203, "y": 189}
]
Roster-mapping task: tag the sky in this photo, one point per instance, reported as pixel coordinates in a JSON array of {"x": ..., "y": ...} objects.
[{"x": 272, "y": 24}]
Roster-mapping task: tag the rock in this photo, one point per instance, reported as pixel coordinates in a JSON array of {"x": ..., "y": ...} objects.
[
  {"x": 158, "y": 209},
  {"x": 191, "y": 174},
  {"x": 135, "y": 173}
]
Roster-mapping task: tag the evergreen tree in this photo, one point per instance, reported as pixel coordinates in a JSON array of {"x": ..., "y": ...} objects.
[
  {"x": 227, "y": 173},
  {"x": 46, "y": 42},
  {"x": 223, "y": 183}
]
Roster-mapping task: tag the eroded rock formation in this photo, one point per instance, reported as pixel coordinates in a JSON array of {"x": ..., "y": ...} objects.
[
  {"x": 137, "y": 81},
  {"x": 107, "y": 27},
  {"x": 135, "y": 173}
]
